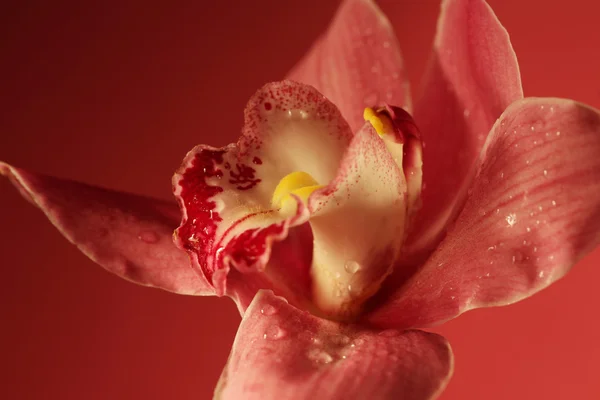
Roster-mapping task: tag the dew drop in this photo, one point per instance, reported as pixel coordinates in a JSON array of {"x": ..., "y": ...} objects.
[
  {"x": 319, "y": 356},
  {"x": 149, "y": 237},
  {"x": 553, "y": 202},
  {"x": 541, "y": 274},
  {"x": 353, "y": 291},
  {"x": 268, "y": 309},
  {"x": 511, "y": 219},
  {"x": 274, "y": 332},
  {"x": 352, "y": 267},
  {"x": 532, "y": 128},
  {"x": 517, "y": 257},
  {"x": 545, "y": 172}
]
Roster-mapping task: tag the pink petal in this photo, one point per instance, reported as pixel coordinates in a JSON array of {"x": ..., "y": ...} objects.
[
  {"x": 533, "y": 212},
  {"x": 128, "y": 235},
  {"x": 226, "y": 193},
  {"x": 473, "y": 76},
  {"x": 358, "y": 223},
  {"x": 281, "y": 352},
  {"x": 357, "y": 63}
]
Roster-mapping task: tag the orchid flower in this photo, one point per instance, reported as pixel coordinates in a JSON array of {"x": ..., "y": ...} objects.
[{"x": 344, "y": 218}]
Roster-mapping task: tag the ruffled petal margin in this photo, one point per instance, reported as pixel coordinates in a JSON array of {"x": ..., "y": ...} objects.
[
  {"x": 229, "y": 226},
  {"x": 128, "y": 235},
  {"x": 533, "y": 212},
  {"x": 283, "y": 353}
]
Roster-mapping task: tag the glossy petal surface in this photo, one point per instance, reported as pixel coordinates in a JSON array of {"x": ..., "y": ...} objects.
[
  {"x": 283, "y": 353},
  {"x": 357, "y": 63},
  {"x": 128, "y": 235},
  {"x": 533, "y": 212},
  {"x": 473, "y": 76}
]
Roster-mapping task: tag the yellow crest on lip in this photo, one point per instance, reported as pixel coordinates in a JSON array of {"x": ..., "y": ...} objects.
[
  {"x": 299, "y": 183},
  {"x": 380, "y": 122}
]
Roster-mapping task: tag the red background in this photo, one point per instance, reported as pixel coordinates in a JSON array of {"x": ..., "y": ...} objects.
[{"x": 116, "y": 94}]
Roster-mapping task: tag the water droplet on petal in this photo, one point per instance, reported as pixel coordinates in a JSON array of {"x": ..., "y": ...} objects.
[
  {"x": 268, "y": 309},
  {"x": 517, "y": 257},
  {"x": 352, "y": 267},
  {"x": 148, "y": 237},
  {"x": 319, "y": 356},
  {"x": 274, "y": 332},
  {"x": 511, "y": 219}
]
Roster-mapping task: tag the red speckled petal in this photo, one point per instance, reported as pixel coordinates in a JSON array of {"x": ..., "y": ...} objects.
[
  {"x": 473, "y": 76},
  {"x": 357, "y": 63},
  {"x": 358, "y": 223},
  {"x": 533, "y": 212},
  {"x": 283, "y": 353},
  {"x": 128, "y": 235},
  {"x": 225, "y": 194}
]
